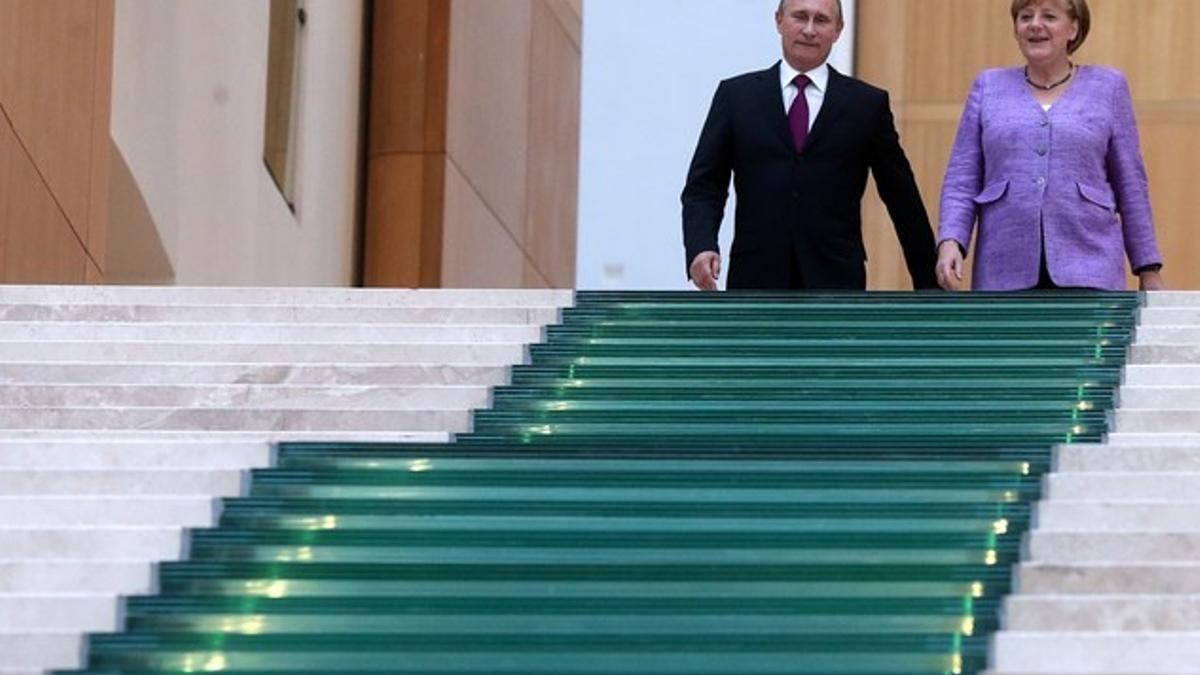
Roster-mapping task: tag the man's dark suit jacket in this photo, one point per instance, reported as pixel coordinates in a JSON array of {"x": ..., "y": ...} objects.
[{"x": 802, "y": 209}]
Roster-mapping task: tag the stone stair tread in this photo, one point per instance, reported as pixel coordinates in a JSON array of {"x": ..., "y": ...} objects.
[
  {"x": 55, "y": 613},
  {"x": 1146, "y": 397},
  {"x": 202, "y": 313},
  {"x": 40, "y": 650},
  {"x": 1154, "y": 354},
  {"x": 199, "y": 352},
  {"x": 66, "y": 543},
  {"x": 1099, "y": 578},
  {"x": 1123, "y": 613},
  {"x": 1122, "y": 486},
  {"x": 243, "y": 397},
  {"x": 206, "y": 419},
  {"x": 132, "y": 453},
  {"x": 275, "y": 333},
  {"x": 289, "y": 296},
  {"x": 1156, "y": 439},
  {"x": 115, "y": 482},
  {"x": 1127, "y": 459},
  {"x": 1125, "y": 516},
  {"x": 271, "y": 435},
  {"x": 264, "y": 373},
  {"x": 106, "y": 511},
  {"x": 91, "y": 575},
  {"x": 1156, "y": 420},
  {"x": 1157, "y": 653},
  {"x": 1131, "y": 547},
  {"x": 1172, "y": 299}
]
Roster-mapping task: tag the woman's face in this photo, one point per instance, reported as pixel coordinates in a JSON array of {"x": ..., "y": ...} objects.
[{"x": 1043, "y": 29}]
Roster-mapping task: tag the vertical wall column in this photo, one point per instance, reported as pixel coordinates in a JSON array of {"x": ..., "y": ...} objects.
[
  {"x": 406, "y": 143},
  {"x": 55, "y": 96}
]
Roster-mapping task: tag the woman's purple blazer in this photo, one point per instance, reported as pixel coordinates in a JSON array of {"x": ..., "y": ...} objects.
[{"x": 1064, "y": 175}]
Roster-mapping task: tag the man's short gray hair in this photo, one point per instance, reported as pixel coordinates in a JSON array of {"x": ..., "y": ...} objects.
[{"x": 841, "y": 13}]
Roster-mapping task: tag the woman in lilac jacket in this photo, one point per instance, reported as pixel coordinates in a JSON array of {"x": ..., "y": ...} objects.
[{"x": 1047, "y": 160}]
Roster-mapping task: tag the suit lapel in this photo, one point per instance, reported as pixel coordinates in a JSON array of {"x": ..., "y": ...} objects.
[
  {"x": 836, "y": 93},
  {"x": 771, "y": 101}
]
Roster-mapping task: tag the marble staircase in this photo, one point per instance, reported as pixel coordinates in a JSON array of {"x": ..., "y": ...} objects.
[
  {"x": 127, "y": 413},
  {"x": 846, "y": 493},
  {"x": 1111, "y": 585}
]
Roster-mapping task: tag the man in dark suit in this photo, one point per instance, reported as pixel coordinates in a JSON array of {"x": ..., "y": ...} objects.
[{"x": 799, "y": 139}]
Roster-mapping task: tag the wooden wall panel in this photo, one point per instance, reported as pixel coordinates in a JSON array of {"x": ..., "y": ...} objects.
[
  {"x": 1172, "y": 150},
  {"x": 570, "y": 17},
  {"x": 55, "y": 92},
  {"x": 47, "y": 93},
  {"x": 39, "y": 245},
  {"x": 8, "y": 154},
  {"x": 100, "y": 151},
  {"x": 927, "y": 53},
  {"x": 487, "y": 136},
  {"x": 554, "y": 108},
  {"x": 480, "y": 251},
  {"x": 1153, "y": 41}
]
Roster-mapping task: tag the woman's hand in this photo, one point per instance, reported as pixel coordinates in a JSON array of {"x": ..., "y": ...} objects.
[
  {"x": 949, "y": 265},
  {"x": 1151, "y": 281}
]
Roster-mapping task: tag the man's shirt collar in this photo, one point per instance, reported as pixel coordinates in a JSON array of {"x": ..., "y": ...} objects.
[{"x": 819, "y": 76}]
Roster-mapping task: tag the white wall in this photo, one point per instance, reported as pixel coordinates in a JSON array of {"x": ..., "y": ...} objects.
[
  {"x": 189, "y": 95},
  {"x": 649, "y": 72}
]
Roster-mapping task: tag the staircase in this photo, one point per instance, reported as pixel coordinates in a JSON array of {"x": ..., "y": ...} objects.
[
  {"x": 674, "y": 484},
  {"x": 1112, "y": 584},
  {"x": 126, "y": 413}
]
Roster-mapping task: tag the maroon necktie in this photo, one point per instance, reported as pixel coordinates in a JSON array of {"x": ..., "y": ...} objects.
[{"x": 798, "y": 115}]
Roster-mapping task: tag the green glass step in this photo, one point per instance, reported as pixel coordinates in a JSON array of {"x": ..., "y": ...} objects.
[
  {"x": 596, "y": 653},
  {"x": 875, "y": 371},
  {"x": 916, "y": 437},
  {"x": 317, "y": 511}
]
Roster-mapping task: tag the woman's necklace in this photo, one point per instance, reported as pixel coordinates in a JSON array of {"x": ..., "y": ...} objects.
[{"x": 1050, "y": 87}]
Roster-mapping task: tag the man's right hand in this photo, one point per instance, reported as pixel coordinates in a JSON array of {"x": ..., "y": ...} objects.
[{"x": 706, "y": 270}]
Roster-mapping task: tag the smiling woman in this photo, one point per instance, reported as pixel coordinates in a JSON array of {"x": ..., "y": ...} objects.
[
  {"x": 1047, "y": 160},
  {"x": 1048, "y": 31}
]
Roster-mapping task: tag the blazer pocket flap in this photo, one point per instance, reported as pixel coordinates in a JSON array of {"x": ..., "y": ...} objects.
[
  {"x": 1100, "y": 196},
  {"x": 992, "y": 192}
]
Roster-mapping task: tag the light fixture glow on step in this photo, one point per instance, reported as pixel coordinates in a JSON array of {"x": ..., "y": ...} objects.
[{"x": 204, "y": 663}]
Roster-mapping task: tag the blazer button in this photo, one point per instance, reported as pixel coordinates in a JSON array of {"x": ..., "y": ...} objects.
[
  {"x": 1041, "y": 151},
  {"x": 1040, "y": 180},
  {"x": 1045, "y": 123}
]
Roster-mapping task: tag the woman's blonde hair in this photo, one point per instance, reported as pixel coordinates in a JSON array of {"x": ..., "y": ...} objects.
[{"x": 1078, "y": 9}]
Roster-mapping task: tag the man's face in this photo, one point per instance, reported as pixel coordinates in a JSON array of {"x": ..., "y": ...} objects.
[{"x": 808, "y": 29}]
